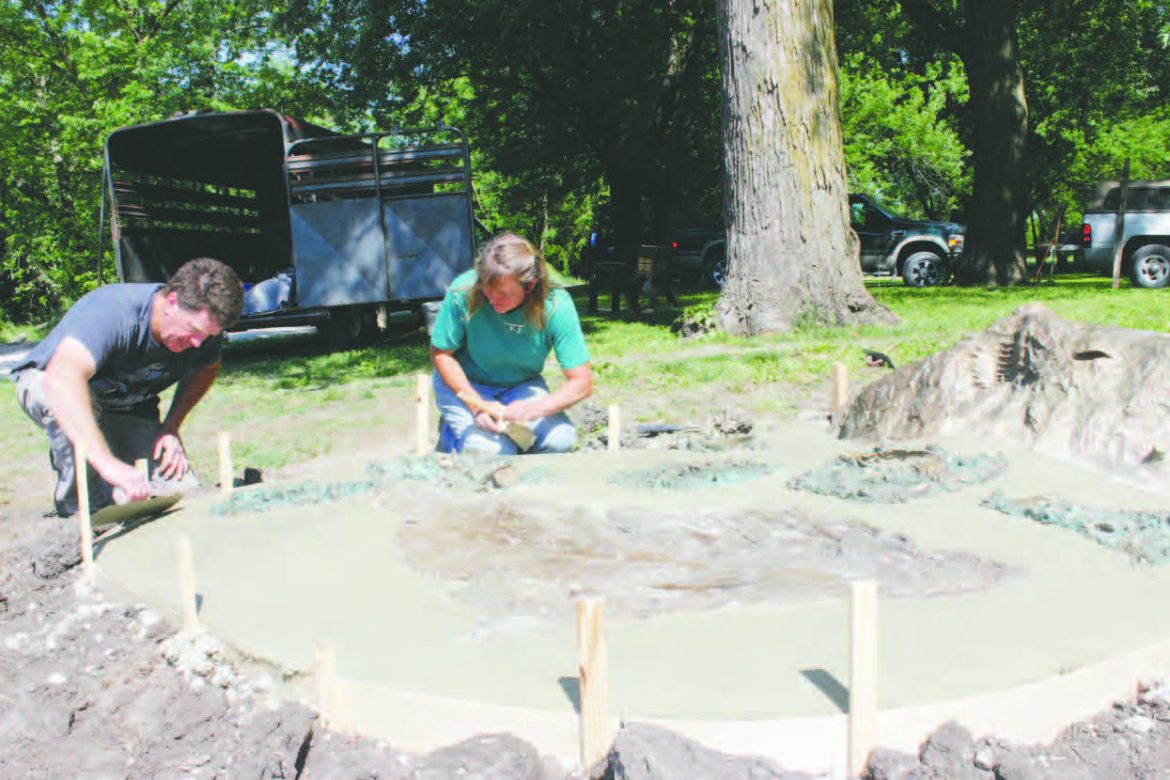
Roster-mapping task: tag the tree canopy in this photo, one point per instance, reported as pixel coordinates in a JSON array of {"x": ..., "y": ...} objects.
[{"x": 580, "y": 115}]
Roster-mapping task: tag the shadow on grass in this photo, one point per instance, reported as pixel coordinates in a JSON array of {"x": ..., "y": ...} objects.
[
  {"x": 304, "y": 361},
  {"x": 662, "y": 316}
]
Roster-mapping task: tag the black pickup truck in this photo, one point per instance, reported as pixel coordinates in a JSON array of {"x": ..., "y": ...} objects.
[{"x": 918, "y": 250}]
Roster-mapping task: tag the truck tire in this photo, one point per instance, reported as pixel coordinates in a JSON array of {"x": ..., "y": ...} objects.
[
  {"x": 922, "y": 268},
  {"x": 1151, "y": 266},
  {"x": 349, "y": 327}
]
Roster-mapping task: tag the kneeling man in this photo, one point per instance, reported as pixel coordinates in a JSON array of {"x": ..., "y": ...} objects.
[{"x": 96, "y": 378}]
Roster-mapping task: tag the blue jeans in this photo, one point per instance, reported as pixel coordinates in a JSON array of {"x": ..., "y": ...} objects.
[
  {"x": 459, "y": 433},
  {"x": 129, "y": 437}
]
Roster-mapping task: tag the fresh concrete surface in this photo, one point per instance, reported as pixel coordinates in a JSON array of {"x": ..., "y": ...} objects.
[{"x": 1077, "y": 625}]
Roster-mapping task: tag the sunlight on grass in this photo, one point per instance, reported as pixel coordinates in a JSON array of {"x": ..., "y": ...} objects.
[
  {"x": 288, "y": 402},
  {"x": 643, "y": 348}
]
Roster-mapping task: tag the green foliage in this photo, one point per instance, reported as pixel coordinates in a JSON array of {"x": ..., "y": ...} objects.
[
  {"x": 899, "y": 144},
  {"x": 580, "y": 116},
  {"x": 1097, "y": 89},
  {"x": 564, "y": 103},
  {"x": 1095, "y": 75},
  {"x": 72, "y": 72},
  {"x": 696, "y": 321}
]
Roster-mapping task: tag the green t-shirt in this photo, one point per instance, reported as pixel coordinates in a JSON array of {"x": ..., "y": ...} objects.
[{"x": 503, "y": 349}]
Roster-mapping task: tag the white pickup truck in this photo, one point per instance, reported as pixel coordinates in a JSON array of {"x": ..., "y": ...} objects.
[{"x": 1145, "y": 239}]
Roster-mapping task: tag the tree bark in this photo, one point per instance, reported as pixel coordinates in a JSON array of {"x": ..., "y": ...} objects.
[
  {"x": 791, "y": 255},
  {"x": 983, "y": 34},
  {"x": 996, "y": 242}
]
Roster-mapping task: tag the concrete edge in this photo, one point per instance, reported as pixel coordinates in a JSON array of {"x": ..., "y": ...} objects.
[{"x": 1032, "y": 713}]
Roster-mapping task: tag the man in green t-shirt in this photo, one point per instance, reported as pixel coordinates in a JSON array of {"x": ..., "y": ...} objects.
[{"x": 496, "y": 327}]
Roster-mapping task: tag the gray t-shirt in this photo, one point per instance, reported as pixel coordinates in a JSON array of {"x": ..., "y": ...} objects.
[{"x": 113, "y": 324}]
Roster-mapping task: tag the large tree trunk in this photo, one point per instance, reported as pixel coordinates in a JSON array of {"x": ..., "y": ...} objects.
[
  {"x": 995, "y": 248},
  {"x": 983, "y": 34},
  {"x": 626, "y": 190},
  {"x": 791, "y": 255}
]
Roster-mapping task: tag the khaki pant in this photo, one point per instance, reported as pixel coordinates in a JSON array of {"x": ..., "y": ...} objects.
[{"x": 129, "y": 436}]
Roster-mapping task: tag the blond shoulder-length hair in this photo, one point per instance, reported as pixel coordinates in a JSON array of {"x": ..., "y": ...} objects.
[{"x": 510, "y": 255}]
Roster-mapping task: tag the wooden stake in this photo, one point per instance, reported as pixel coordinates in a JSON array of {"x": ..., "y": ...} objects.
[
  {"x": 593, "y": 681},
  {"x": 187, "y": 598},
  {"x": 422, "y": 428},
  {"x": 81, "y": 469},
  {"x": 225, "y": 463},
  {"x": 143, "y": 466},
  {"x": 1119, "y": 225},
  {"x": 839, "y": 388},
  {"x": 615, "y": 427},
  {"x": 325, "y": 677},
  {"x": 863, "y": 669}
]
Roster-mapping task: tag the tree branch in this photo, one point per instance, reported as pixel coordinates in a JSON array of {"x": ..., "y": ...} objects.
[
  {"x": 156, "y": 21},
  {"x": 684, "y": 57}
]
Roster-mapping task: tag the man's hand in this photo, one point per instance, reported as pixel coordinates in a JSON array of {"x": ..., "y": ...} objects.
[
  {"x": 523, "y": 411},
  {"x": 492, "y": 417},
  {"x": 171, "y": 457},
  {"x": 128, "y": 482}
]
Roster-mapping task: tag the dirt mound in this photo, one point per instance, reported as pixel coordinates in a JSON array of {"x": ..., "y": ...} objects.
[
  {"x": 1131, "y": 740},
  {"x": 1098, "y": 393}
]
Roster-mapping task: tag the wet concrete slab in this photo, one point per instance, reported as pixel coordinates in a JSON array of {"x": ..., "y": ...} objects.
[{"x": 448, "y": 610}]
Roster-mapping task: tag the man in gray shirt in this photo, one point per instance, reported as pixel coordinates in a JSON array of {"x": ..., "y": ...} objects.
[{"x": 96, "y": 378}]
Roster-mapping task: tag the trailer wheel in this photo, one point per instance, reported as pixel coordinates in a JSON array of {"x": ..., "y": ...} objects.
[{"x": 349, "y": 327}]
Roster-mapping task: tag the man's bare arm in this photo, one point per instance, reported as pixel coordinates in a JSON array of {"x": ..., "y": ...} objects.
[
  {"x": 168, "y": 448},
  {"x": 66, "y": 384}
]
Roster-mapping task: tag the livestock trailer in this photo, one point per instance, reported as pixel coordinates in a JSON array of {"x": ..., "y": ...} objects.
[{"x": 323, "y": 228}]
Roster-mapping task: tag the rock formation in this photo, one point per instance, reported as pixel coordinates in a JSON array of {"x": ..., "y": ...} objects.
[{"x": 1097, "y": 394}]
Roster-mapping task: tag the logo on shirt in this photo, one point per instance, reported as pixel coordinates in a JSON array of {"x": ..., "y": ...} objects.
[{"x": 514, "y": 327}]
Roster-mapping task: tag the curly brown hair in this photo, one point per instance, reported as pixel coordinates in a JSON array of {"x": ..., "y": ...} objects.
[{"x": 205, "y": 283}]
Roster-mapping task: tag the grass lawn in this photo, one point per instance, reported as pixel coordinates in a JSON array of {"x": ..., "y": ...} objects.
[{"x": 292, "y": 402}]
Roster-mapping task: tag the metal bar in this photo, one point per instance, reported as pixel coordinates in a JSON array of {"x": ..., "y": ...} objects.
[
  {"x": 311, "y": 160},
  {"x": 156, "y": 215},
  {"x": 382, "y": 217},
  {"x": 101, "y": 228},
  {"x": 467, "y": 188},
  {"x": 193, "y": 197},
  {"x": 291, "y": 319},
  {"x": 375, "y": 182}
]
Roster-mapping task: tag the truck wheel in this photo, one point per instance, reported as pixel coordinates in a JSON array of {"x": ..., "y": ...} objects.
[
  {"x": 715, "y": 268},
  {"x": 921, "y": 269},
  {"x": 348, "y": 327},
  {"x": 1151, "y": 266}
]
